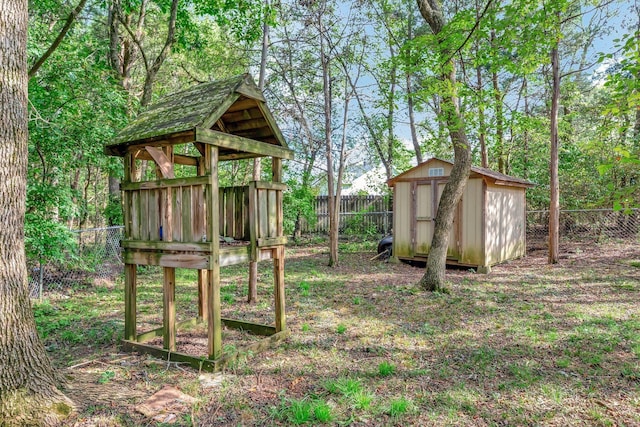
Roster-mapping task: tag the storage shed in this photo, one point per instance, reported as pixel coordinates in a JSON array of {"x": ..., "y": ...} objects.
[
  {"x": 179, "y": 217},
  {"x": 489, "y": 225}
]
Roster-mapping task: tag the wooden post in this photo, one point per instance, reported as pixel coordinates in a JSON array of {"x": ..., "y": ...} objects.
[
  {"x": 278, "y": 281},
  {"x": 214, "y": 346},
  {"x": 203, "y": 313},
  {"x": 169, "y": 309},
  {"x": 130, "y": 311}
]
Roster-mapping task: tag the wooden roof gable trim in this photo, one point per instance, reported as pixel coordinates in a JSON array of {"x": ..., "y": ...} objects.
[
  {"x": 499, "y": 178},
  {"x": 234, "y": 142}
]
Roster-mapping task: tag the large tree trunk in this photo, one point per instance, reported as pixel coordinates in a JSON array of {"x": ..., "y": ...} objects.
[
  {"x": 28, "y": 393},
  {"x": 433, "y": 278}
]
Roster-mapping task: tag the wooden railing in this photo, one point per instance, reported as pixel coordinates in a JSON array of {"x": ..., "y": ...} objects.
[{"x": 175, "y": 210}]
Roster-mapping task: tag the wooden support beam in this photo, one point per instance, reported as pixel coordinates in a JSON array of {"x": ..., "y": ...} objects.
[
  {"x": 166, "y": 246},
  {"x": 246, "y": 125},
  {"x": 239, "y": 143},
  {"x": 130, "y": 309},
  {"x": 169, "y": 309},
  {"x": 253, "y": 328},
  {"x": 164, "y": 183},
  {"x": 278, "y": 279},
  {"x": 203, "y": 297},
  {"x": 239, "y": 116},
  {"x": 194, "y": 261},
  {"x": 214, "y": 342},
  {"x": 266, "y": 185},
  {"x": 165, "y": 167},
  {"x": 204, "y": 364},
  {"x": 242, "y": 104},
  {"x": 158, "y": 332}
]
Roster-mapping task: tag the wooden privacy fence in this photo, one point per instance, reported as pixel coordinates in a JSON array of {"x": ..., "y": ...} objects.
[{"x": 359, "y": 214}]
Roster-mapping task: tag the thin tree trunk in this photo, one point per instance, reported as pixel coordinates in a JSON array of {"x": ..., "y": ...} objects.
[
  {"x": 481, "y": 123},
  {"x": 434, "y": 276},
  {"x": 333, "y": 206},
  {"x": 152, "y": 71},
  {"x": 252, "y": 292},
  {"x": 412, "y": 120},
  {"x": 28, "y": 392},
  {"x": 554, "y": 184}
]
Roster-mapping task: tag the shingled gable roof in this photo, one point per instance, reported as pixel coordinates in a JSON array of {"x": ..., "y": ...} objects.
[
  {"x": 234, "y": 105},
  {"x": 499, "y": 178}
]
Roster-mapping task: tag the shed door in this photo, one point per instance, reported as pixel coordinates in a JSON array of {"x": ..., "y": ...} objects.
[
  {"x": 424, "y": 217},
  {"x": 453, "y": 251},
  {"x": 425, "y": 198}
]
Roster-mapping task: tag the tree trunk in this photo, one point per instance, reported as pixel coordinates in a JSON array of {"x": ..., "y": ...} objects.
[
  {"x": 433, "y": 278},
  {"x": 333, "y": 205},
  {"x": 412, "y": 121},
  {"x": 28, "y": 393},
  {"x": 554, "y": 184},
  {"x": 252, "y": 291}
]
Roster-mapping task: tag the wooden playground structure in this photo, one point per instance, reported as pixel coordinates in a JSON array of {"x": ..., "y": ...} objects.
[{"x": 186, "y": 221}]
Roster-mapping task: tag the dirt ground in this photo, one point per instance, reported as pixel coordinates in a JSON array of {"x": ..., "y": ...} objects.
[{"x": 528, "y": 344}]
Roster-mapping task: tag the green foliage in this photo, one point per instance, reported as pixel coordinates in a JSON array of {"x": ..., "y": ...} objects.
[
  {"x": 47, "y": 239},
  {"x": 298, "y": 204},
  {"x": 386, "y": 369}
]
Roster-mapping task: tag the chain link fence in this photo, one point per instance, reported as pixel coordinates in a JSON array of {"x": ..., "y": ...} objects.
[
  {"x": 592, "y": 225},
  {"x": 96, "y": 256}
]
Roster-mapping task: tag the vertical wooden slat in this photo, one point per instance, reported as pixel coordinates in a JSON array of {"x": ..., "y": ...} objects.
[
  {"x": 169, "y": 309},
  {"x": 197, "y": 213},
  {"x": 134, "y": 215},
  {"x": 144, "y": 213},
  {"x": 263, "y": 213},
  {"x": 130, "y": 309},
  {"x": 245, "y": 214},
  {"x": 229, "y": 212},
  {"x": 273, "y": 213},
  {"x": 276, "y": 176},
  {"x": 154, "y": 214},
  {"x": 186, "y": 214},
  {"x": 238, "y": 230},
  {"x": 278, "y": 279},
  {"x": 214, "y": 344},
  {"x": 176, "y": 213}
]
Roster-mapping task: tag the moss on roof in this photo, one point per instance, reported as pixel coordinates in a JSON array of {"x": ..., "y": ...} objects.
[{"x": 183, "y": 110}]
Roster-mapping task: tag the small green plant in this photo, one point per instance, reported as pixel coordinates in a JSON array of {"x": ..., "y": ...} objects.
[
  {"x": 345, "y": 386},
  {"x": 400, "y": 406},
  {"x": 322, "y": 412},
  {"x": 299, "y": 411},
  {"x": 341, "y": 328},
  {"x": 305, "y": 327},
  {"x": 357, "y": 300},
  {"x": 304, "y": 288},
  {"x": 228, "y": 298},
  {"x": 362, "y": 399},
  {"x": 385, "y": 369},
  {"x": 106, "y": 376}
]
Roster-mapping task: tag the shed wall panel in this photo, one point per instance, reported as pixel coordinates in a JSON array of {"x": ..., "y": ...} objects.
[
  {"x": 505, "y": 223},
  {"x": 401, "y": 220},
  {"x": 471, "y": 248}
]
